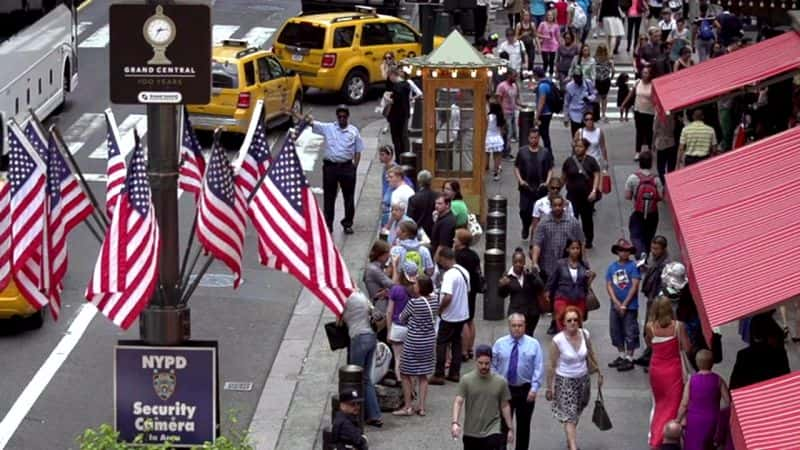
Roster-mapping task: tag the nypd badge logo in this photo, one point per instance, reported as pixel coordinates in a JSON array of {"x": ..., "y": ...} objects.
[{"x": 164, "y": 384}]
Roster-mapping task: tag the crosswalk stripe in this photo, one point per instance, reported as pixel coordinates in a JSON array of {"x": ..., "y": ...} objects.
[
  {"x": 84, "y": 127},
  {"x": 257, "y": 36},
  {"x": 98, "y": 39},
  {"x": 138, "y": 121},
  {"x": 221, "y": 32}
]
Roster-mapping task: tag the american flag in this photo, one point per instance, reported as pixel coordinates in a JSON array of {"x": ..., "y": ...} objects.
[
  {"x": 193, "y": 164},
  {"x": 126, "y": 272},
  {"x": 221, "y": 214},
  {"x": 290, "y": 224},
  {"x": 115, "y": 169},
  {"x": 28, "y": 174},
  {"x": 5, "y": 234},
  {"x": 256, "y": 161}
]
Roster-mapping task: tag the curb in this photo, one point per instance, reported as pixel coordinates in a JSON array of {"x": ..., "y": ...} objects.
[{"x": 292, "y": 407}]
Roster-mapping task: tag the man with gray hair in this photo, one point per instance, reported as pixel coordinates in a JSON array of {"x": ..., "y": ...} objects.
[
  {"x": 421, "y": 204},
  {"x": 519, "y": 359}
]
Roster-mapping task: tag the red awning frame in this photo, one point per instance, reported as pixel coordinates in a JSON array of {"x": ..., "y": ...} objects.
[{"x": 766, "y": 415}]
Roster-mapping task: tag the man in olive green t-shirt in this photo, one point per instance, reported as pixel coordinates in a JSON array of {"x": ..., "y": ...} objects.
[{"x": 486, "y": 395}]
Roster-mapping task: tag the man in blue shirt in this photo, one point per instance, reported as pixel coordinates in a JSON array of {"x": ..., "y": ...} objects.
[
  {"x": 519, "y": 359},
  {"x": 538, "y": 11},
  {"x": 343, "y": 147},
  {"x": 622, "y": 284},
  {"x": 579, "y": 96},
  {"x": 544, "y": 89}
]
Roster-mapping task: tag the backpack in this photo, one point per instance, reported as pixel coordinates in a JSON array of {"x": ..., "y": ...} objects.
[
  {"x": 706, "y": 30},
  {"x": 578, "y": 16},
  {"x": 555, "y": 99},
  {"x": 416, "y": 257},
  {"x": 647, "y": 196}
]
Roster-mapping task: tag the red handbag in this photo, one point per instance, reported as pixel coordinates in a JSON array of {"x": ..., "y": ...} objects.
[{"x": 605, "y": 184}]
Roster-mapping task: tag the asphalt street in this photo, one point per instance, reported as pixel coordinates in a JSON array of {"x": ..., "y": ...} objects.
[{"x": 249, "y": 323}]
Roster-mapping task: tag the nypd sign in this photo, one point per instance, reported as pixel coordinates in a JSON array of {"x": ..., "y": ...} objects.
[{"x": 166, "y": 394}]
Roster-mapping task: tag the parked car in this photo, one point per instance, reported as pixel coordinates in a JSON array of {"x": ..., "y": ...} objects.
[
  {"x": 14, "y": 306},
  {"x": 240, "y": 76},
  {"x": 343, "y": 51}
]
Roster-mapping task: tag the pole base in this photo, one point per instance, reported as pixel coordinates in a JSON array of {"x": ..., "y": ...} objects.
[{"x": 164, "y": 326}]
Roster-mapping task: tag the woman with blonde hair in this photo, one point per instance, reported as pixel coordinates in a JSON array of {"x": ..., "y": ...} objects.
[{"x": 667, "y": 337}]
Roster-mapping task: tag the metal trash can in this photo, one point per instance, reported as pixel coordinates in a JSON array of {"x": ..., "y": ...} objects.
[
  {"x": 415, "y": 130},
  {"x": 494, "y": 265},
  {"x": 416, "y": 147}
]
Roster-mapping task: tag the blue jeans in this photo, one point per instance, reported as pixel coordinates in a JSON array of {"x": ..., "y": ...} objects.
[{"x": 362, "y": 351}]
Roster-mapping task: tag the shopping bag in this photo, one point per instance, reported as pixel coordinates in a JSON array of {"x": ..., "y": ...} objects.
[{"x": 605, "y": 185}]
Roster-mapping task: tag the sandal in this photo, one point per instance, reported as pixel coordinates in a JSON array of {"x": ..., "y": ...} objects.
[
  {"x": 421, "y": 412},
  {"x": 403, "y": 412}
]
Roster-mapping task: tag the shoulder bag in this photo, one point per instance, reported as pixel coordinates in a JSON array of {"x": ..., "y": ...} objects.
[
  {"x": 338, "y": 335},
  {"x": 600, "y": 415}
]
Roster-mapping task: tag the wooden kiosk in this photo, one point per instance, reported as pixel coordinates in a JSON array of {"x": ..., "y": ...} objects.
[{"x": 455, "y": 80}]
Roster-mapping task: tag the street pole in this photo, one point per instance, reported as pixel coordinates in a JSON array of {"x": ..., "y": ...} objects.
[
  {"x": 427, "y": 24},
  {"x": 165, "y": 321}
]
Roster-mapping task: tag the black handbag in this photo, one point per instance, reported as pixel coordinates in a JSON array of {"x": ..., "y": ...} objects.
[
  {"x": 600, "y": 416},
  {"x": 338, "y": 335}
]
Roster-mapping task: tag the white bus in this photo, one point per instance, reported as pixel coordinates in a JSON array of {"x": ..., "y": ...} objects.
[{"x": 38, "y": 58}]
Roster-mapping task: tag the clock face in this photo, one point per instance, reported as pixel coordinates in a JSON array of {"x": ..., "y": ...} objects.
[{"x": 160, "y": 31}]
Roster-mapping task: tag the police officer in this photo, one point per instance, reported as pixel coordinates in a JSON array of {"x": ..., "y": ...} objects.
[
  {"x": 343, "y": 147},
  {"x": 345, "y": 432}
]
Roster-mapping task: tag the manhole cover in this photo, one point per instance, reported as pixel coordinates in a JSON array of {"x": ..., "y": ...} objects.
[
  {"x": 238, "y": 386},
  {"x": 216, "y": 280}
]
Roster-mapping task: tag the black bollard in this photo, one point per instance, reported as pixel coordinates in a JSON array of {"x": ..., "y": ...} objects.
[
  {"x": 494, "y": 265},
  {"x": 496, "y": 238},
  {"x": 526, "y": 116},
  {"x": 498, "y": 203},
  {"x": 496, "y": 219},
  {"x": 408, "y": 162},
  {"x": 416, "y": 147},
  {"x": 415, "y": 130}
]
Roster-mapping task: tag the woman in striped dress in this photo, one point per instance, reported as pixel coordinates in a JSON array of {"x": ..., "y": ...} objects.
[{"x": 419, "y": 348}]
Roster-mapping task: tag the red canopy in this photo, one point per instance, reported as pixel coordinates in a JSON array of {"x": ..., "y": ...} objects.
[
  {"x": 716, "y": 77},
  {"x": 737, "y": 218},
  {"x": 766, "y": 415}
]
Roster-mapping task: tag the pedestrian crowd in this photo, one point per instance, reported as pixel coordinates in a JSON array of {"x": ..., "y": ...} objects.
[{"x": 423, "y": 277}]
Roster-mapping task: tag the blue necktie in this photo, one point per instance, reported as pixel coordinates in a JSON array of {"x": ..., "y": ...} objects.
[{"x": 511, "y": 375}]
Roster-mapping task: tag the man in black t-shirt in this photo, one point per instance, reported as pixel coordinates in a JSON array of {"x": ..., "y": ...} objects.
[
  {"x": 533, "y": 169},
  {"x": 444, "y": 229},
  {"x": 399, "y": 112}
]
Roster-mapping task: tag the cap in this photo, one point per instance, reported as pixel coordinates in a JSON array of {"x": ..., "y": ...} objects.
[
  {"x": 350, "y": 395},
  {"x": 483, "y": 350},
  {"x": 621, "y": 245},
  {"x": 673, "y": 277},
  {"x": 409, "y": 270}
]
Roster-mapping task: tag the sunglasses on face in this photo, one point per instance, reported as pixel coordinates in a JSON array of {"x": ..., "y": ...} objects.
[
  {"x": 555, "y": 188},
  {"x": 572, "y": 320}
]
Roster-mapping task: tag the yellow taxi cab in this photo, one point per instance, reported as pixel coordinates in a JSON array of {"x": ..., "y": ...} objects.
[
  {"x": 14, "y": 306},
  {"x": 343, "y": 51},
  {"x": 242, "y": 75}
]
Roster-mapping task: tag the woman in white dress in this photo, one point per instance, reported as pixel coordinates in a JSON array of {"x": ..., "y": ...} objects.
[{"x": 494, "y": 134}]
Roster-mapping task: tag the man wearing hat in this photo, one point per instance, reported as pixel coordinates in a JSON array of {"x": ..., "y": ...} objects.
[
  {"x": 486, "y": 395},
  {"x": 343, "y": 147},
  {"x": 345, "y": 430},
  {"x": 622, "y": 284}
]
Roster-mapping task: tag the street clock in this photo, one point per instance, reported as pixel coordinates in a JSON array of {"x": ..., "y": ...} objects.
[{"x": 159, "y": 32}]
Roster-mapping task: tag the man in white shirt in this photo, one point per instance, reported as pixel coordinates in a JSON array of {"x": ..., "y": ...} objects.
[
  {"x": 517, "y": 55},
  {"x": 401, "y": 191},
  {"x": 454, "y": 311},
  {"x": 542, "y": 206}
]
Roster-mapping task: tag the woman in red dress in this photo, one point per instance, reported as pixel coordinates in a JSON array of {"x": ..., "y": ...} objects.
[{"x": 667, "y": 337}]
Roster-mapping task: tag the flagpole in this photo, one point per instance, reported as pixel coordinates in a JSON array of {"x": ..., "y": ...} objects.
[{"x": 101, "y": 219}]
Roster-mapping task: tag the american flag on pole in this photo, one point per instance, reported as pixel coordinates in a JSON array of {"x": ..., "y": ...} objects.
[
  {"x": 256, "y": 160},
  {"x": 5, "y": 234},
  {"x": 221, "y": 214},
  {"x": 126, "y": 272},
  {"x": 193, "y": 164},
  {"x": 28, "y": 174},
  {"x": 290, "y": 224},
  {"x": 115, "y": 168}
]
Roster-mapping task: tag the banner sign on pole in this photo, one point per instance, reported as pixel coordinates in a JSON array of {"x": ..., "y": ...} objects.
[{"x": 166, "y": 394}]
